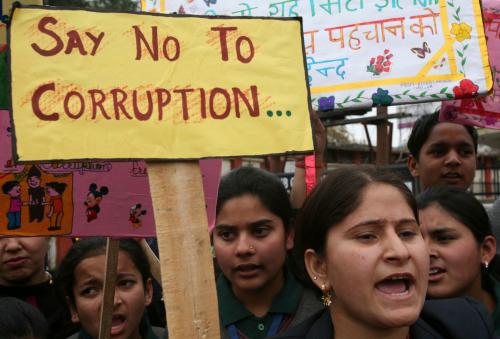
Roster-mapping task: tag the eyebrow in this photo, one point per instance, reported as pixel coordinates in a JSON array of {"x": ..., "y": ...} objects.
[
  {"x": 125, "y": 275},
  {"x": 440, "y": 230},
  {"x": 89, "y": 281},
  {"x": 381, "y": 222},
  {"x": 446, "y": 144},
  {"x": 257, "y": 223}
]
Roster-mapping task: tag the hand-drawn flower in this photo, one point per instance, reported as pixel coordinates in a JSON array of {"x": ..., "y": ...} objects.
[
  {"x": 326, "y": 103},
  {"x": 382, "y": 98},
  {"x": 380, "y": 64},
  {"x": 466, "y": 89},
  {"x": 461, "y": 31}
]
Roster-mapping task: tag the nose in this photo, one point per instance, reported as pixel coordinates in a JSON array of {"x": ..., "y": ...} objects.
[
  {"x": 10, "y": 244},
  {"x": 453, "y": 158},
  {"x": 433, "y": 254},
  {"x": 117, "y": 298},
  {"x": 395, "y": 249},
  {"x": 244, "y": 245}
]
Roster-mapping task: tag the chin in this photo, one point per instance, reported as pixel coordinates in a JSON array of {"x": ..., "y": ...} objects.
[
  {"x": 437, "y": 293},
  {"x": 399, "y": 318}
]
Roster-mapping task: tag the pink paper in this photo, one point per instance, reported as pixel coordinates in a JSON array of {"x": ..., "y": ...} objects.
[
  {"x": 484, "y": 111},
  {"x": 95, "y": 198}
]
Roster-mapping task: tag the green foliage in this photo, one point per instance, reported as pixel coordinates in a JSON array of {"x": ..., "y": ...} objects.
[{"x": 112, "y": 5}]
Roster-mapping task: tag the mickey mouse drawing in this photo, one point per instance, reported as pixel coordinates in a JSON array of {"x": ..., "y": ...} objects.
[
  {"x": 136, "y": 212},
  {"x": 94, "y": 198}
]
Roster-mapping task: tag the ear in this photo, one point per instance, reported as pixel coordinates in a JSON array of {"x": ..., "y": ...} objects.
[
  {"x": 413, "y": 166},
  {"x": 148, "y": 292},
  {"x": 72, "y": 309},
  {"x": 316, "y": 268},
  {"x": 289, "y": 239},
  {"x": 488, "y": 248}
]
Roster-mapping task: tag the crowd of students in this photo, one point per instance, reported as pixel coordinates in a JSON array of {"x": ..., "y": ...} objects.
[{"x": 362, "y": 258}]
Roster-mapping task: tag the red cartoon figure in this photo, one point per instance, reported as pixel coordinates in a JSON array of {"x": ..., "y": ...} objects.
[
  {"x": 55, "y": 214},
  {"x": 136, "y": 212},
  {"x": 94, "y": 198}
]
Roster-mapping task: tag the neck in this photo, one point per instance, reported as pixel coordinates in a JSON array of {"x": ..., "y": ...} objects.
[
  {"x": 259, "y": 301},
  {"x": 347, "y": 328},
  {"x": 36, "y": 279},
  {"x": 484, "y": 297}
]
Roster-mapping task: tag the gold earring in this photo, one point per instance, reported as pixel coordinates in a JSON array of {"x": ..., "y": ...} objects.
[{"x": 326, "y": 298}]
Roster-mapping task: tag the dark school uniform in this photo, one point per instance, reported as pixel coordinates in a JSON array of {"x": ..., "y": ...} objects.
[
  {"x": 292, "y": 305},
  {"x": 456, "y": 318}
]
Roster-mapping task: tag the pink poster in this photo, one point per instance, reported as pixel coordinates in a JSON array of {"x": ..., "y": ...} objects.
[
  {"x": 82, "y": 198},
  {"x": 484, "y": 111}
]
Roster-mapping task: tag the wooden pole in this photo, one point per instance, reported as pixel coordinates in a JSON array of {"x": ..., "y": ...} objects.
[
  {"x": 383, "y": 146},
  {"x": 112, "y": 246},
  {"x": 187, "y": 269},
  {"x": 153, "y": 260}
]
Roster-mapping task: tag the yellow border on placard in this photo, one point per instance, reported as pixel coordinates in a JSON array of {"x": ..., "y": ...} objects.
[
  {"x": 482, "y": 45},
  {"x": 447, "y": 48}
]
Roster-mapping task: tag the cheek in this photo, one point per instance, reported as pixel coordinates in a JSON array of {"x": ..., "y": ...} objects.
[
  {"x": 223, "y": 254},
  {"x": 349, "y": 269},
  {"x": 463, "y": 262},
  {"x": 88, "y": 311}
]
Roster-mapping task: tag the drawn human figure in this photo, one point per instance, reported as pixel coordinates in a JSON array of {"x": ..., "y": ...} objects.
[
  {"x": 94, "y": 198},
  {"x": 13, "y": 190},
  {"x": 136, "y": 212},
  {"x": 55, "y": 214},
  {"x": 36, "y": 195}
]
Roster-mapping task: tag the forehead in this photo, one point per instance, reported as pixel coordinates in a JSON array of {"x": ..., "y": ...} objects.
[
  {"x": 380, "y": 202},
  {"x": 449, "y": 133},
  {"x": 434, "y": 216},
  {"x": 94, "y": 266},
  {"x": 243, "y": 206}
]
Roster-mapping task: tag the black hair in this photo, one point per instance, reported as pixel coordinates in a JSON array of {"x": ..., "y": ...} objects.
[
  {"x": 7, "y": 186},
  {"x": 264, "y": 185},
  {"x": 59, "y": 187},
  {"x": 91, "y": 247},
  {"x": 333, "y": 200},
  {"x": 422, "y": 129},
  {"x": 98, "y": 193},
  {"x": 34, "y": 172},
  {"x": 20, "y": 320},
  {"x": 461, "y": 205}
]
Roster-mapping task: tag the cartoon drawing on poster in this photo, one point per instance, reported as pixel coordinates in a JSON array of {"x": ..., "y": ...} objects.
[
  {"x": 136, "y": 213},
  {"x": 33, "y": 209},
  {"x": 13, "y": 190},
  {"x": 36, "y": 194},
  {"x": 125, "y": 211},
  {"x": 93, "y": 200},
  {"x": 56, "y": 210}
]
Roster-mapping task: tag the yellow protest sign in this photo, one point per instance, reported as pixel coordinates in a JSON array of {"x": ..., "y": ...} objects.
[{"x": 89, "y": 84}]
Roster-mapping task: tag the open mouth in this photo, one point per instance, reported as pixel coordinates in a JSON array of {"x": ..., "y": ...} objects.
[
  {"x": 117, "y": 324},
  {"x": 395, "y": 285},
  {"x": 117, "y": 320}
]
